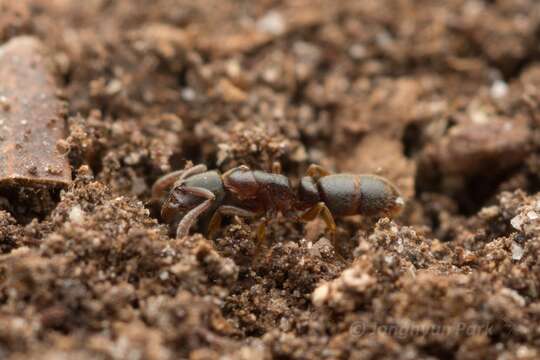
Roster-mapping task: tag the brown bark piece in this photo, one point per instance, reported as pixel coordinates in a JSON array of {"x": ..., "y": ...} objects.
[{"x": 32, "y": 122}]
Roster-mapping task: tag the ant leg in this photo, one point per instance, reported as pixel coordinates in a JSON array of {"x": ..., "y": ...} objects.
[
  {"x": 194, "y": 170},
  {"x": 276, "y": 167},
  {"x": 241, "y": 167},
  {"x": 322, "y": 209},
  {"x": 236, "y": 211},
  {"x": 317, "y": 171},
  {"x": 261, "y": 232},
  {"x": 164, "y": 183},
  {"x": 215, "y": 221},
  {"x": 187, "y": 221},
  {"x": 214, "y": 225},
  {"x": 261, "y": 236}
]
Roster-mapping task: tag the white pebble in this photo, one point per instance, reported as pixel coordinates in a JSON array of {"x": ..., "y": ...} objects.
[
  {"x": 517, "y": 222},
  {"x": 188, "y": 94},
  {"x": 76, "y": 214},
  {"x": 272, "y": 23},
  {"x": 517, "y": 252},
  {"x": 321, "y": 294},
  {"x": 164, "y": 275},
  {"x": 479, "y": 117},
  {"x": 499, "y": 89},
  {"x": 532, "y": 215}
]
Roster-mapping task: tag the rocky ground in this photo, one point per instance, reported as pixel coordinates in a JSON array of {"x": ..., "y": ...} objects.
[{"x": 442, "y": 98}]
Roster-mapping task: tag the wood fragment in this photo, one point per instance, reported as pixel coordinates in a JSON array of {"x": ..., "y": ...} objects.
[{"x": 31, "y": 118}]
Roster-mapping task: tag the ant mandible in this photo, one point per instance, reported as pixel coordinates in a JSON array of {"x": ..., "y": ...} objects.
[{"x": 253, "y": 193}]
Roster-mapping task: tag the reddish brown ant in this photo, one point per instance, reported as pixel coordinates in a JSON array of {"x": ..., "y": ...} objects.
[{"x": 254, "y": 193}]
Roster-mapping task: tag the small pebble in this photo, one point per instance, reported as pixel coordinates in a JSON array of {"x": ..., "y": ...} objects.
[
  {"x": 517, "y": 251},
  {"x": 321, "y": 294},
  {"x": 164, "y": 275},
  {"x": 499, "y": 89},
  {"x": 272, "y": 23},
  {"x": 76, "y": 214},
  {"x": 532, "y": 215},
  {"x": 517, "y": 222},
  {"x": 4, "y": 103}
]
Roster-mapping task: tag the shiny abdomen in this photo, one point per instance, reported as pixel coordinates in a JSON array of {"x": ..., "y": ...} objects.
[
  {"x": 340, "y": 193},
  {"x": 348, "y": 194}
]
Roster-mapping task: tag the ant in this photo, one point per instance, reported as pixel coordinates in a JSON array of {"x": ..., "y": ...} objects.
[{"x": 253, "y": 193}]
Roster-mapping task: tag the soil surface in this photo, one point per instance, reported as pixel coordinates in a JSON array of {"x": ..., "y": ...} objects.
[{"x": 440, "y": 97}]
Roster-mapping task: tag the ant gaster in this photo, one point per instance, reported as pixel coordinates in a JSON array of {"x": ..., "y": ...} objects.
[{"x": 253, "y": 193}]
